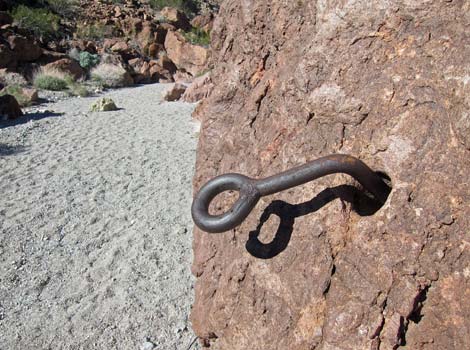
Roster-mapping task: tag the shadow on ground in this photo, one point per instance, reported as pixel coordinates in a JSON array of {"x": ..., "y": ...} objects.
[
  {"x": 28, "y": 117},
  {"x": 362, "y": 203}
]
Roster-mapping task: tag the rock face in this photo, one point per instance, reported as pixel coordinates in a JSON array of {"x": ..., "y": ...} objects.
[
  {"x": 318, "y": 266},
  {"x": 191, "y": 58},
  {"x": 200, "y": 88}
]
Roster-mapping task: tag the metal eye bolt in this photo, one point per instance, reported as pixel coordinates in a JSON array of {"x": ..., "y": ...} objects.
[{"x": 251, "y": 190}]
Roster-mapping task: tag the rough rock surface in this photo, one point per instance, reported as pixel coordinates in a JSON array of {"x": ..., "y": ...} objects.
[
  {"x": 200, "y": 88},
  {"x": 319, "y": 267},
  {"x": 68, "y": 66},
  {"x": 191, "y": 58},
  {"x": 174, "y": 93}
]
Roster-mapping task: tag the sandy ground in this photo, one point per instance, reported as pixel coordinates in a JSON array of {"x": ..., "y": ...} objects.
[{"x": 95, "y": 226}]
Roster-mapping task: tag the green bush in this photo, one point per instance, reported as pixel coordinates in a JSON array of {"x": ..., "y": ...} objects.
[
  {"x": 79, "y": 90},
  {"x": 47, "y": 82},
  {"x": 198, "y": 37},
  {"x": 95, "y": 31},
  {"x": 88, "y": 60},
  {"x": 17, "y": 92},
  {"x": 42, "y": 22},
  {"x": 189, "y": 7},
  {"x": 65, "y": 8}
]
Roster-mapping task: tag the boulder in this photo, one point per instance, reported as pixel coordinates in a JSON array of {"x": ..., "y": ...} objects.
[
  {"x": 160, "y": 74},
  {"x": 191, "y": 58},
  {"x": 9, "y": 108},
  {"x": 68, "y": 66},
  {"x": 25, "y": 49},
  {"x": 200, "y": 88},
  {"x": 120, "y": 46},
  {"x": 176, "y": 18},
  {"x": 174, "y": 93},
  {"x": 204, "y": 22},
  {"x": 30, "y": 95},
  {"x": 8, "y": 58},
  {"x": 321, "y": 266},
  {"x": 103, "y": 105},
  {"x": 5, "y": 18},
  {"x": 12, "y": 78}
]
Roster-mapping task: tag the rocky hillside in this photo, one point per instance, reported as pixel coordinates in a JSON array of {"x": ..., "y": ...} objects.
[
  {"x": 319, "y": 266},
  {"x": 63, "y": 44}
]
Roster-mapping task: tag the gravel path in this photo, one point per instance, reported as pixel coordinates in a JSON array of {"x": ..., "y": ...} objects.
[{"x": 95, "y": 226}]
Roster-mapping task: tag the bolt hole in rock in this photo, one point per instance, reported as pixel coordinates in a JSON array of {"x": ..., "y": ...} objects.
[{"x": 258, "y": 245}]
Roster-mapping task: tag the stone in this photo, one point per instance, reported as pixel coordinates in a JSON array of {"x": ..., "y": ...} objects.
[
  {"x": 204, "y": 22},
  {"x": 174, "y": 93},
  {"x": 9, "y": 108},
  {"x": 192, "y": 58},
  {"x": 103, "y": 105},
  {"x": 317, "y": 267},
  {"x": 120, "y": 46},
  {"x": 5, "y": 18},
  {"x": 7, "y": 57},
  {"x": 199, "y": 89},
  {"x": 147, "y": 346},
  {"x": 165, "y": 62},
  {"x": 25, "y": 49},
  {"x": 176, "y": 18},
  {"x": 154, "y": 50},
  {"x": 12, "y": 78},
  {"x": 68, "y": 66},
  {"x": 160, "y": 74},
  {"x": 30, "y": 95}
]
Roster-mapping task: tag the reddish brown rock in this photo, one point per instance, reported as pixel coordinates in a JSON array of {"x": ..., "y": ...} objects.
[
  {"x": 120, "y": 46},
  {"x": 25, "y": 49},
  {"x": 160, "y": 74},
  {"x": 319, "y": 267},
  {"x": 5, "y": 18},
  {"x": 191, "y": 58},
  {"x": 68, "y": 66},
  {"x": 174, "y": 93},
  {"x": 176, "y": 18},
  {"x": 204, "y": 22},
  {"x": 199, "y": 89},
  {"x": 7, "y": 57},
  {"x": 9, "y": 108}
]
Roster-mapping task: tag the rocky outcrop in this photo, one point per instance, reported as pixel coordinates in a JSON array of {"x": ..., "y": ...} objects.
[
  {"x": 186, "y": 56},
  {"x": 320, "y": 266}
]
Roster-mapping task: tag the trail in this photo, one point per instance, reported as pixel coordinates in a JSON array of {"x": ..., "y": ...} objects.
[{"x": 95, "y": 226}]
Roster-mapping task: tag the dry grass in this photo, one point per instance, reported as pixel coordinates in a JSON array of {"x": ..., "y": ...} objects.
[
  {"x": 51, "y": 79},
  {"x": 111, "y": 75}
]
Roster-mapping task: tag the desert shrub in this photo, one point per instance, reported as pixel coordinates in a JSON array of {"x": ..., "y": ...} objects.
[
  {"x": 74, "y": 54},
  {"x": 111, "y": 75},
  {"x": 95, "y": 31},
  {"x": 65, "y": 8},
  {"x": 51, "y": 79},
  {"x": 189, "y": 7},
  {"x": 17, "y": 92},
  {"x": 198, "y": 37},
  {"x": 77, "y": 89},
  {"x": 88, "y": 60},
  {"x": 42, "y": 22}
]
